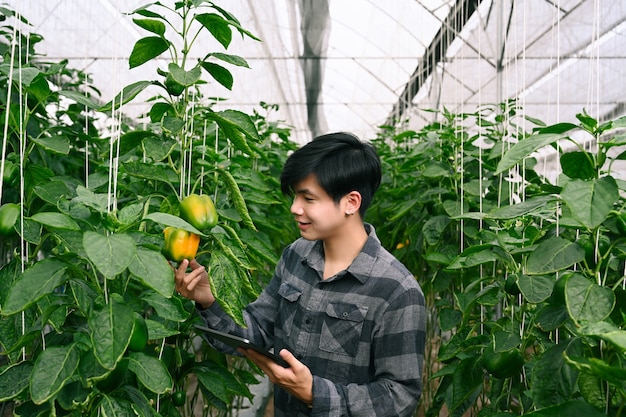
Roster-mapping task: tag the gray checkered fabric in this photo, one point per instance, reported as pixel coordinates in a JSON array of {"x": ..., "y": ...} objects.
[{"x": 361, "y": 332}]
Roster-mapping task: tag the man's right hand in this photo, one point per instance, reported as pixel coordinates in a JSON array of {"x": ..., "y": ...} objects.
[{"x": 195, "y": 284}]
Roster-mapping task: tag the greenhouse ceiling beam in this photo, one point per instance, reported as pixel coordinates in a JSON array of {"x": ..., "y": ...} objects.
[{"x": 459, "y": 14}]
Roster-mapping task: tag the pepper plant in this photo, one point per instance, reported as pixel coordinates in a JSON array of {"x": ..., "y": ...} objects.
[
  {"x": 82, "y": 268},
  {"x": 523, "y": 274}
]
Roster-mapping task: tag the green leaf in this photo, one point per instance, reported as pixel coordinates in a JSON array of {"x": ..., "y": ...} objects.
[
  {"x": 449, "y": 318},
  {"x": 232, "y": 20},
  {"x": 400, "y": 209},
  {"x": 54, "y": 144},
  {"x": 227, "y": 285},
  {"x": 71, "y": 241},
  {"x": 467, "y": 380},
  {"x": 111, "y": 329},
  {"x": 553, "y": 254},
  {"x": 240, "y": 121},
  {"x": 25, "y": 75},
  {"x": 218, "y": 27},
  {"x": 220, "y": 382},
  {"x": 436, "y": 170},
  {"x": 554, "y": 381},
  {"x": 14, "y": 380},
  {"x": 112, "y": 406},
  {"x": 126, "y": 95},
  {"x": 53, "y": 368},
  {"x": 231, "y": 59},
  {"x": 587, "y": 302},
  {"x": 557, "y": 128},
  {"x": 182, "y": 77},
  {"x": 55, "y": 220},
  {"x": 53, "y": 192},
  {"x": 133, "y": 139},
  {"x": 172, "y": 124},
  {"x": 258, "y": 246},
  {"x": 153, "y": 270},
  {"x": 167, "y": 219},
  {"x": 578, "y": 165},
  {"x": 237, "y": 198},
  {"x": 37, "y": 281},
  {"x": 233, "y": 250},
  {"x": 98, "y": 202},
  {"x": 524, "y": 148},
  {"x": 607, "y": 332},
  {"x": 591, "y": 389},
  {"x": 219, "y": 74},
  {"x": 591, "y": 201},
  {"x": 151, "y": 372},
  {"x": 434, "y": 227},
  {"x": 551, "y": 317},
  {"x": 454, "y": 208},
  {"x": 480, "y": 254},
  {"x": 535, "y": 289},
  {"x": 170, "y": 308},
  {"x": 84, "y": 295},
  {"x": 157, "y": 330},
  {"x": 524, "y": 208},
  {"x": 130, "y": 214},
  {"x": 39, "y": 89},
  {"x": 150, "y": 171},
  {"x": 571, "y": 408},
  {"x": 110, "y": 254},
  {"x": 80, "y": 98},
  {"x": 598, "y": 367},
  {"x": 157, "y": 111},
  {"x": 620, "y": 122},
  {"x": 155, "y": 26},
  {"x": 505, "y": 341},
  {"x": 587, "y": 122},
  {"x": 143, "y": 11},
  {"x": 146, "y": 49}
]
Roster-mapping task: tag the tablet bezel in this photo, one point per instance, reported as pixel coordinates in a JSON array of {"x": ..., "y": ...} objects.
[{"x": 240, "y": 342}]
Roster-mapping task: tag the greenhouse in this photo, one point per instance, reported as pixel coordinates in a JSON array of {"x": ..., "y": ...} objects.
[{"x": 154, "y": 159}]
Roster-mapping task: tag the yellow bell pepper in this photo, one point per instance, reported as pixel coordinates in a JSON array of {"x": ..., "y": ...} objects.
[
  {"x": 180, "y": 244},
  {"x": 199, "y": 211}
]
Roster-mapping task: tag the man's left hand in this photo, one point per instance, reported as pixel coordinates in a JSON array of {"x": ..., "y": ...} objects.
[{"x": 297, "y": 379}]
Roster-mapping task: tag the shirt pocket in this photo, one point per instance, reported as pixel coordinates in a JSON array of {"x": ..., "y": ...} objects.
[
  {"x": 289, "y": 296},
  {"x": 342, "y": 328}
]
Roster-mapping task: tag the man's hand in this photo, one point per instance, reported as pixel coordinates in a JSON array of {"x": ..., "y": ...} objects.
[
  {"x": 195, "y": 284},
  {"x": 297, "y": 379}
]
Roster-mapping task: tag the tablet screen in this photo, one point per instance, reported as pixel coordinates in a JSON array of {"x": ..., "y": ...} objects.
[{"x": 236, "y": 341}]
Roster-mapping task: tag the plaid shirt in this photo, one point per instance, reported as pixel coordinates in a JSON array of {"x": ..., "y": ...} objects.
[{"x": 361, "y": 332}]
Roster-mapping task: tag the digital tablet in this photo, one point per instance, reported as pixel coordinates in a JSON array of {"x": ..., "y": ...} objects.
[{"x": 236, "y": 342}]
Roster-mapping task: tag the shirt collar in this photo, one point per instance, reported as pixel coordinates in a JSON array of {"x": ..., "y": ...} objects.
[{"x": 362, "y": 265}]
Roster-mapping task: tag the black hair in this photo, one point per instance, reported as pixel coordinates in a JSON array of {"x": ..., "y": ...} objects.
[{"x": 341, "y": 163}]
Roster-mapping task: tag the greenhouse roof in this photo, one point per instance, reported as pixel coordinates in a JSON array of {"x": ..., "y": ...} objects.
[{"x": 355, "y": 65}]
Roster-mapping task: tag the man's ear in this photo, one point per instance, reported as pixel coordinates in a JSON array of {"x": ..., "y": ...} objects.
[{"x": 353, "y": 202}]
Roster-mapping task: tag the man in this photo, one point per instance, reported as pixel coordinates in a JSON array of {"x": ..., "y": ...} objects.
[{"x": 346, "y": 315}]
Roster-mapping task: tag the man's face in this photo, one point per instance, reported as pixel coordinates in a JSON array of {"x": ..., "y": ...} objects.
[{"x": 318, "y": 216}]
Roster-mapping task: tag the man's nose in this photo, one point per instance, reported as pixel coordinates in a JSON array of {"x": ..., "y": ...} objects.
[{"x": 296, "y": 208}]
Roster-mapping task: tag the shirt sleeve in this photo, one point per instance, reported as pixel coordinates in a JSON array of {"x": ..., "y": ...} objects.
[
  {"x": 258, "y": 316},
  {"x": 398, "y": 360}
]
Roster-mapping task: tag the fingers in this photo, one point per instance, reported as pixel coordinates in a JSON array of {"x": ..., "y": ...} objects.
[
  {"x": 289, "y": 358},
  {"x": 193, "y": 264},
  {"x": 187, "y": 282},
  {"x": 297, "y": 379},
  {"x": 260, "y": 360}
]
